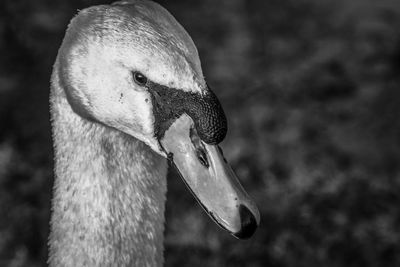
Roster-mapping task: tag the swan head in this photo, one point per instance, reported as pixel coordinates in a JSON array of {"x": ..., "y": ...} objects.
[{"x": 131, "y": 66}]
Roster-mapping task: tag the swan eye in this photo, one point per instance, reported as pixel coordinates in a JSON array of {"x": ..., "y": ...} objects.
[{"x": 139, "y": 78}]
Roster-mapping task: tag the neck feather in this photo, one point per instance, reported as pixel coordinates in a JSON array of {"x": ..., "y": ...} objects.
[{"x": 109, "y": 193}]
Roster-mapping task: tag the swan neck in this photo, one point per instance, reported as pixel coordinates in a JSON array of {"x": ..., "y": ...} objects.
[{"x": 109, "y": 193}]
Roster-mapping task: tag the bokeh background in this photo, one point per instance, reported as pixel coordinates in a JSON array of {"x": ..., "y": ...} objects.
[{"x": 311, "y": 90}]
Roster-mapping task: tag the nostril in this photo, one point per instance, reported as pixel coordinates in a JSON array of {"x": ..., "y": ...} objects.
[
  {"x": 248, "y": 223},
  {"x": 199, "y": 148},
  {"x": 201, "y": 155}
]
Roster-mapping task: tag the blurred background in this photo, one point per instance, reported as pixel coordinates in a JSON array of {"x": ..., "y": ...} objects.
[{"x": 311, "y": 91}]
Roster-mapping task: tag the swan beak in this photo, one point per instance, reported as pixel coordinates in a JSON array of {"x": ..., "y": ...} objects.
[{"x": 210, "y": 178}]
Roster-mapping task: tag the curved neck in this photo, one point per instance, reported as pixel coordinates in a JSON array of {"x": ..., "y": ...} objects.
[{"x": 109, "y": 193}]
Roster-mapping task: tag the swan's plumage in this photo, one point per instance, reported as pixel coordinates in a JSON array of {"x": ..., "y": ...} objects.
[
  {"x": 100, "y": 215},
  {"x": 110, "y": 161}
]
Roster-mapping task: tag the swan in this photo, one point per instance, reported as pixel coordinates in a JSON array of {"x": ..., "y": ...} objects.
[{"x": 127, "y": 96}]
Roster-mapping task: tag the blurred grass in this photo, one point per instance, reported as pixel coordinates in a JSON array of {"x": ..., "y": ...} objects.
[{"x": 311, "y": 90}]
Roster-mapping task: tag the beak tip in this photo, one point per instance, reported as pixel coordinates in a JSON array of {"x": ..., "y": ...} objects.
[{"x": 249, "y": 223}]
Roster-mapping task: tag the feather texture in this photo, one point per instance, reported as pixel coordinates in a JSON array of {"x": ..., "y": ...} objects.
[{"x": 109, "y": 193}]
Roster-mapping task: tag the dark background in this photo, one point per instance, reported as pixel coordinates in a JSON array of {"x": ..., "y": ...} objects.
[{"x": 311, "y": 90}]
